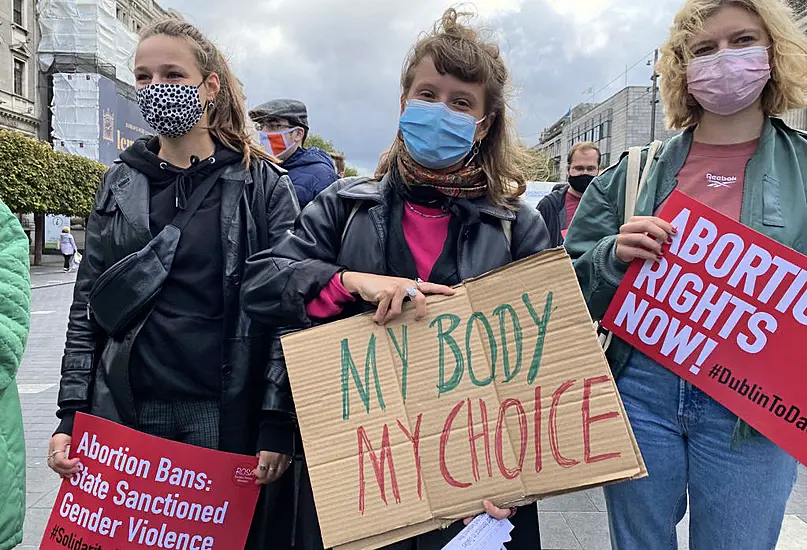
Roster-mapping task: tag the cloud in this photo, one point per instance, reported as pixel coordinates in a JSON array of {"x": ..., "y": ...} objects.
[{"x": 343, "y": 59}]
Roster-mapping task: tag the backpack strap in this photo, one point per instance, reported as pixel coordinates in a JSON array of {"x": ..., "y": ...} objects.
[
  {"x": 507, "y": 226},
  {"x": 633, "y": 182},
  {"x": 353, "y": 212}
]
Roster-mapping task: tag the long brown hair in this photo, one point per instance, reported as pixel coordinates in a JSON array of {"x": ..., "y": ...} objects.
[
  {"x": 227, "y": 118},
  {"x": 458, "y": 50}
]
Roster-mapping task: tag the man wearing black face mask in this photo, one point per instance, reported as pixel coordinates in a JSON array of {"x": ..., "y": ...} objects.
[{"x": 559, "y": 206}]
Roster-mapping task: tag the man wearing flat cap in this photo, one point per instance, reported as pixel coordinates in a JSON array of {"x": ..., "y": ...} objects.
[{"x": 283, "y": 129}]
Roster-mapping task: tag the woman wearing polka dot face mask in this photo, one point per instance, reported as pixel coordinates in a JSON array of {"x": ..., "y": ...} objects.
[{"x": 188, "y": 366}]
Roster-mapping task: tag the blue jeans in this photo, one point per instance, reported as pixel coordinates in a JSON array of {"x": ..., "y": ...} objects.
[{"x": 737, "y": 497}]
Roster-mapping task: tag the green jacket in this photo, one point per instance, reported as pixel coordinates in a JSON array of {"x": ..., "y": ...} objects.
[
  {"x": 774, "y": 204},
  {"x": 15, "y": 291}
]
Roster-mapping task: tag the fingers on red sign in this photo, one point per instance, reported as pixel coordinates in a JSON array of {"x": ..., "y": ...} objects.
[
  {"x": 140, "y": 491},
  {"x": 722, "y": 309}
]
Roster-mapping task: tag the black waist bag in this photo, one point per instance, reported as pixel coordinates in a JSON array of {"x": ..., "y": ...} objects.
[{"x": 126, "y": 292}]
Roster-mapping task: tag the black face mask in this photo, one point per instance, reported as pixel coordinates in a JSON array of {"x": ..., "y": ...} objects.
[{"x": 580, "y": 183}]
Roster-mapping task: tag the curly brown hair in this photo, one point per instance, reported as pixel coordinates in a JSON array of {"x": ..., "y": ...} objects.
[
  {"x": 459, "y": 50},
  {"x": 787, "y": 88}
]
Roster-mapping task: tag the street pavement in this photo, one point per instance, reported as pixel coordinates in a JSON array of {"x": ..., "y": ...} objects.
[{"x": 570, "y": 522}]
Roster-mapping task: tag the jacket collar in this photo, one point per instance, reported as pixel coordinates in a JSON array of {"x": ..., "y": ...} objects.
[
  {"x": 367, "y": 189},
  {"x": 677, "y": 148},
  {"x": 131, "y": 191}
]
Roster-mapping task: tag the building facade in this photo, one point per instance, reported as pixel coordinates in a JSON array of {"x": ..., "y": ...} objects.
[
  {"x": 19, "y": 109},
  {"x": 618, "y": 123},
  {"x": 138, "y": 14}
]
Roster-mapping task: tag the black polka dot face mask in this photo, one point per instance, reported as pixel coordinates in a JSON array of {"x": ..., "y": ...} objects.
[{"x": 172, "y": 110}]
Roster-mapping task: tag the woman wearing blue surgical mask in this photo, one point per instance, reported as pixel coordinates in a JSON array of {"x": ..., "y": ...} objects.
[
  {"x": 187, "y": 365},
  {"x": 728, "y": 68},
  {"x": 442, "y": 208}
]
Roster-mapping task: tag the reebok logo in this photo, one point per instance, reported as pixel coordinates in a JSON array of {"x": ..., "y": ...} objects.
[{"x": 716, "y": 181}]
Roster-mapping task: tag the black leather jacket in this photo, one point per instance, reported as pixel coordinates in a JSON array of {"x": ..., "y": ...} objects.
[
  {"x": 279, "y": 282},
  {"x": 258, "y": 207}
]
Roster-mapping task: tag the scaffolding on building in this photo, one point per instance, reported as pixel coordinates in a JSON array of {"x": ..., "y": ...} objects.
[
  {"x": 87, "y": 30},
  {"x": 81, "y": 42}
]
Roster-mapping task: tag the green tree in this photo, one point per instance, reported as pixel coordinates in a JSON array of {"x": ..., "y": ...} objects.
[
  {"x": 39, "y": 180},
  {"x": 316, "y": 140},
  {"x": 26, "y": 167}
]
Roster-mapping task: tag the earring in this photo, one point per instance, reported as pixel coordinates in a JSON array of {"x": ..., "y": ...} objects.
[{"x": 474, "y": 152}]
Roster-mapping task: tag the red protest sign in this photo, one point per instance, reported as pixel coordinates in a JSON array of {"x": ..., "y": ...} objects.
[
  {"x": 140, "y": 491},
  {"x": 723, "y": 309}
]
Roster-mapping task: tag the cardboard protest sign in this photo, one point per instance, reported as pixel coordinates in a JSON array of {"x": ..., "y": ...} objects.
[
  {"x": 140, "y": 491},
  {"x": 725, "y": 309},
  {"x": 502, "y": 392}
]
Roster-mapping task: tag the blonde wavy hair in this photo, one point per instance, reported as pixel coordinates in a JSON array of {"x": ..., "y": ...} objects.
[
  {"x": 787, "y": 88},
  {"x": 227, "y": 118},
  {"x": 458, "y": 49}
]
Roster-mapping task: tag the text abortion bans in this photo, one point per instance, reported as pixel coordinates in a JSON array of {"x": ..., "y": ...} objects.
[
  {"x": 168, "y": 505},
  {"x": 486, "y": 428},
  {"x": 738, "y": 305}
]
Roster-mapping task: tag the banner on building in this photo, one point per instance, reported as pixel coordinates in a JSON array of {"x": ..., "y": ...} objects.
[
  {"x": 725, "y": 309},
  {"x": 119, "y": 120},
  {"x": 140, "y": 491},
  {"x": 502, "y": 392}
]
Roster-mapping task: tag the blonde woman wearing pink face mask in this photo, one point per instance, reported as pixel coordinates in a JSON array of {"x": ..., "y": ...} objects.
[{"x": 727, "y": 69}]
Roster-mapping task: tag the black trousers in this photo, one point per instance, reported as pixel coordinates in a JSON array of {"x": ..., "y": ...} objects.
[{"x": 68, "y": 258}]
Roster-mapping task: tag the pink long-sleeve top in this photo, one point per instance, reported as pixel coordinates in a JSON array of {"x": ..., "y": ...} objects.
[{"x": 425, "y": 230}]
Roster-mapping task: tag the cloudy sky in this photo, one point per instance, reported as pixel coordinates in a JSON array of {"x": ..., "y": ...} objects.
[{"x": 343, "y": 58}]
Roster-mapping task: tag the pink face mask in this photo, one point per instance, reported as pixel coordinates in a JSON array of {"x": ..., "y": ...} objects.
[{"x": 728, "y": 81}]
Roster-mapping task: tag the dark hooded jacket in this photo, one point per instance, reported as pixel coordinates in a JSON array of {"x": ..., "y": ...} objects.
[
  {"x": 311, "y": 171},
  {"x": 248, "y": 212},
  {"x": 553, "y": 210}
]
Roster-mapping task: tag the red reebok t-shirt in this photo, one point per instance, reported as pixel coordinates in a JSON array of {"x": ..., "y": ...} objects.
[{"x": 715, "y": 175}]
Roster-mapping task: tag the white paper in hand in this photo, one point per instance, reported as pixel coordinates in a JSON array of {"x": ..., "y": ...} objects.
[{"x": 483, "y": 533}]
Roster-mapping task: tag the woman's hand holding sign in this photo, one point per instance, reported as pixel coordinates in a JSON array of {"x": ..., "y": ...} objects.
[
  {"x": 270, "y": 467},
  {"x": 390, "y": 293},
  {"x": 642, "y": 237},
  {"x": 494, "y": 511},
  {"x": 57, "y": 456}
]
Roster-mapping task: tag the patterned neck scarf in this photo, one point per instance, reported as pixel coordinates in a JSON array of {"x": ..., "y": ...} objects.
[{"x": 469, "y": 182}]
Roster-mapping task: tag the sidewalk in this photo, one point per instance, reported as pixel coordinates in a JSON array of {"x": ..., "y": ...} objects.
[{"x": 51, "y": 272}]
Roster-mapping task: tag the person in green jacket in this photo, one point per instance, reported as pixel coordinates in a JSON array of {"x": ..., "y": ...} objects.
[
  {"x": 15, "y": 288},
  {"x": 727, "y": 68}
]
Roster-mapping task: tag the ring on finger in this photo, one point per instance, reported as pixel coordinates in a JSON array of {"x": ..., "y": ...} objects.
[
  {"x": 54, "y": 453},
  {"x": 412, "y": 292}
]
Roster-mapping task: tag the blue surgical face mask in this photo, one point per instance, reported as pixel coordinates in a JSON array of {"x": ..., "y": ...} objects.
[{"x": 435, "y": 136}]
